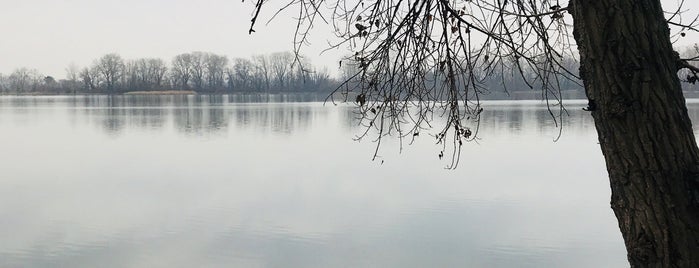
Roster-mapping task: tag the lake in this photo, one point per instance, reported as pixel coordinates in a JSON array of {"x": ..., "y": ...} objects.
[{"x": 225, "y": 181}]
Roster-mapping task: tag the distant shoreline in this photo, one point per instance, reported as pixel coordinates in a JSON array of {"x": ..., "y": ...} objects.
[
  {"x": 516, "y": 95},
  {"x": 162, "y": 92},
  {"x": 157, "y": 92}
]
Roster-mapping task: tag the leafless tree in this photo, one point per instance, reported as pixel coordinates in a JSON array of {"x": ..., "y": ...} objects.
[
  {"x": 157, "y": 70},
  {"x": 4, "y": 83},
  {"x": 421, "y": 59},
  {"x": 215, "y": 71},
  {"x": 182, "y": 70},
  {"x": 133, "y": 78},
  {"x": 281, "y": 63},
  {"x": 72, "y": 76},
  {"x": 262, "y": 72},
  {"x": 24, "y": 80},
  {"x": 86, "y": 78},
  {"x": 198, "y": 68},
  {"x": 111, "y": 66},
  {"x": 145, "y": 74},
  {"x": 242, "y": 73},
  {"x": 72, "y": 72}
]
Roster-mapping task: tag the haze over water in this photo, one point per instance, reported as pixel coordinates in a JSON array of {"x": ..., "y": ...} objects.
[{"x": 210, "y": 181}]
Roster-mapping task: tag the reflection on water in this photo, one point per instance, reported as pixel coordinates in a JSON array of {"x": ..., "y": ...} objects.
[
  {"x": 228, "y": 181},
  {"x": 196, "y": 115}
]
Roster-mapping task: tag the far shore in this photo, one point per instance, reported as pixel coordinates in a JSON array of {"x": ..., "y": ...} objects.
[
  {"x": 515, "y": 95},
  {"x": 162, "y": 92}
]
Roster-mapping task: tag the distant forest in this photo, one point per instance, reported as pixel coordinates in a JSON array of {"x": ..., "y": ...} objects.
[
  {"x": 197, "y": 71},
  {"x": 206, "y": 73}
]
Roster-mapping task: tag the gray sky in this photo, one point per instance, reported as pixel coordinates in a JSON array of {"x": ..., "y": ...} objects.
[{"x": 50, "y": 34}]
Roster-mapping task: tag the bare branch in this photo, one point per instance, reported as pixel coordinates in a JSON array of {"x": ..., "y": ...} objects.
[{"x": 419, "y": 65}]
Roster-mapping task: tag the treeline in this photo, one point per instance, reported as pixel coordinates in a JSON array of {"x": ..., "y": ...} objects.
[
  {"x": 495, "y": 81},
  {"x": 275, "y": 73},
  {"x": 197, "y": 71}
]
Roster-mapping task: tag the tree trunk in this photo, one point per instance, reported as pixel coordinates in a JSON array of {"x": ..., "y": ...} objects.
[{"x": 629, "y": 70}]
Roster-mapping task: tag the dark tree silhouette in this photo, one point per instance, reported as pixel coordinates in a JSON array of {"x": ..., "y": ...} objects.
[
  {"x": 418, "y": 59},
  {"x": 111, "y": 66}
]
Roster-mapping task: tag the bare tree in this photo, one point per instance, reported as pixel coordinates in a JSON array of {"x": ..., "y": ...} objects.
[
  {"x": 24, "y": 80},
  {"x": 243, "y": 72},
  {"x": 142, "y": 73},
  {"x": 72, "y": 72},
  {"x": 182, "y": 70},
  {"x": 72, "y": 77},
  {"x": 280, "y": 65},
  {"x": 145, "y": 74},
  {"x": 132, "y": 78},
  {"x": 90, "y": 78},
  {"x": 419, "y": 58},
  {"x": 198, "y": 69},
  {"x": 215, "y": 67},
  {"x": 262, "y": 72},
  {"x": 157, "y": 70},
  {"x": 317, "y": 80},
  {"x": 111, "y": 66},
  {"x": 4, "y": 83}
]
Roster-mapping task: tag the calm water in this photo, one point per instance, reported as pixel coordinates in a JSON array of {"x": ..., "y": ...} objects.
[{"x": 175, "y": 181}]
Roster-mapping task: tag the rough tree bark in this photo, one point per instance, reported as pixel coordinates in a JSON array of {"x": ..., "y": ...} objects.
[{"x": 629, "y": 70}]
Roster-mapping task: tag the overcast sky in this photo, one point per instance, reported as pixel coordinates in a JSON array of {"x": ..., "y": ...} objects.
[{"x": 50, "y": 34}]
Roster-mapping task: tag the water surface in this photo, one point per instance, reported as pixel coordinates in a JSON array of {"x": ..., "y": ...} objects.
[{"x": 209, "y": 181}]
